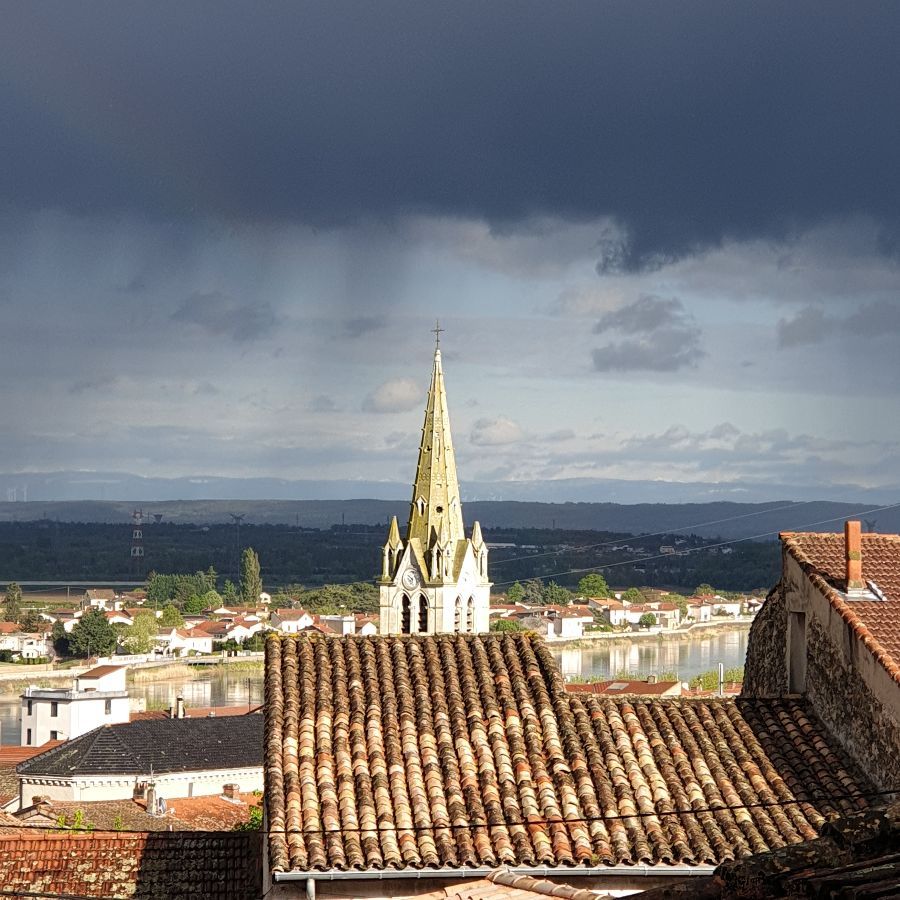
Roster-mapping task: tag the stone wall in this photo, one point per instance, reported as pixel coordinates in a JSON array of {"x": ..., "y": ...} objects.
[
  {"x": 765, "y": 673},
  {"x": 850, "y": 711}
]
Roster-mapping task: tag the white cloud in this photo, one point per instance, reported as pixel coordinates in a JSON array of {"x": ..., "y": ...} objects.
[
  {"x": 396, "y": 395},
  {"x": 495, "y": 432}
]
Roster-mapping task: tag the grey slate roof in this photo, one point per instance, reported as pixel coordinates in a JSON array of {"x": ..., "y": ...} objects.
[{"x": 163, "y": 745}]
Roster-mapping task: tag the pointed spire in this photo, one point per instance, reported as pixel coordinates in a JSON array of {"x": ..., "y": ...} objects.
[
  {"x": 477, "y": 539},
  {"x": 394, "y": 534},
  {"x": 435, "y": 501}
]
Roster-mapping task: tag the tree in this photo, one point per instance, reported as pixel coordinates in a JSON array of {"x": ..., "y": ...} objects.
[
  {"x": 556, "y": 594},
  {"x": 29, "y": 620},
  {"x": 251, "y": 583},
  {"x": 632, "y": 595},
  {"x": 229, "y": 592},
  {"x": 533, "y": 592},
  {"x": 170, "y": 617},
  {"x": 140, "y": 636},
  {"x": 647, "y": 620},
  {"x": 13, "y": 602},
  {"x": 506, "y": 626},
  {"x": 60, "y": 639},
  {"x": 92, "y": 635},
  {"x": 515, "y": 593},
  {"x": 704, "y": 590},
  {"x": 593, "y": 585},
  {"x": 679, "y": 601}
]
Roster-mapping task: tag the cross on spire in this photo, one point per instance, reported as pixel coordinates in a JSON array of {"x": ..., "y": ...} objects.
[{"x": 436, "y": 331}]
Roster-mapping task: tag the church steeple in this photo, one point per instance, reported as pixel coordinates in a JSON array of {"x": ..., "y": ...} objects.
[
  {"x": 435, "y": 508},
  {"x": 435, "y": 580}
]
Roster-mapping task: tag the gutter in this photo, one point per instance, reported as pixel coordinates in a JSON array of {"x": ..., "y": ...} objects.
[{"x": 484, "y": 871}]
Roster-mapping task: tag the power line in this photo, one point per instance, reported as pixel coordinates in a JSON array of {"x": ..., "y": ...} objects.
[
  {"x": 780, "y": 804},
  {"x": 628, "y": 562},
  {"x": 795, "y": 505}
]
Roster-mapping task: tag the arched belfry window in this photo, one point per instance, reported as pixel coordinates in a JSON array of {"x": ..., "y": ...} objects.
[
  {"x": 470, "y": 616},
  {"x": 423, "y": 614},
  {"x": 457, "y": 615},
  {"x": 405, "y": 622}
]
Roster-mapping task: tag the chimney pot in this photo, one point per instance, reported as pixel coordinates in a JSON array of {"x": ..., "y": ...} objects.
[
  {"x": 853, "y": 555},
  {"x": 179, "y": 707},
  {"x": 231, "y": 791}
]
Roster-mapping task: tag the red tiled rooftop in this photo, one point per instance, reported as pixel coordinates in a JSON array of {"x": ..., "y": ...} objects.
[
  {"x": 876, "y": 622},
  {"x": 620, "y": 687},
  {"x": 100, "y": 671},
  {"x": 459, "y": 750},
  {"x": 211, "y": 865}
]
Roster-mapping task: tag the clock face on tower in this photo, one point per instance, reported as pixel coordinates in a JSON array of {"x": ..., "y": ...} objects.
[{"x": 410, "y": 579}]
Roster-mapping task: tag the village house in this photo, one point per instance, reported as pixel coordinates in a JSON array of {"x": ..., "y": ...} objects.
[
  {"x": 21, "y": 644},
  {"x": 830, "y": 632},
  {"x": 448, "y": 756},
  {"x": 185, "y": 641},
  {"x": 651, "y": 687},
  {"x": 291, "y": 621},
  {"x": 176, "y": 757},
  {"x": 101, "y": 598},
  {"x": 99, "y": 697},
  {"x": 68, "y": 617}
]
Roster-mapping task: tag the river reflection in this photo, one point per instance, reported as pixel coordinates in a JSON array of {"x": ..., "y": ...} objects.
[{"x": 686, "y": 657}]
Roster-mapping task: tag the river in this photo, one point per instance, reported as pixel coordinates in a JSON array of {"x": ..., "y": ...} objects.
[
  {"x": 217, "y": 686},
  {"x": 686, "y": 657}
]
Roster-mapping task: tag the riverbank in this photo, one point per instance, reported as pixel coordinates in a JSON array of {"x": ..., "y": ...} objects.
[{"x": 652, "y": 635}]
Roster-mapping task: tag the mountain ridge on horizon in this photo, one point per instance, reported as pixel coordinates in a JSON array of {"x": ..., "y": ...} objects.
[{"x": 86, "y": 486}]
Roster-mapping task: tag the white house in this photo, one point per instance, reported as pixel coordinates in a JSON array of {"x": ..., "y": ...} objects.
[
  {"x": 291, "y": 621},
  {"x": 699, "y": 611},
  {"x": 99, "y": 697},
  {"x": 25, "y": 645},
  {"x": 101, "y": 598},
  {"x": 182, "y": 641},
  {"x": 179, "y": 757}
]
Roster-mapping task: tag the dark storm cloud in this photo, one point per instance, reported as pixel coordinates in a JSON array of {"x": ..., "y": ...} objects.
[
  {"x": 688, "y": 123},
  {"x": 658, "y": 335},
  {"x": 812, "y": 324},
  {"x": 218, "y": 314}
]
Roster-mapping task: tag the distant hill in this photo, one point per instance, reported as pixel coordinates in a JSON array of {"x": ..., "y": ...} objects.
[{"x": 720, "y": 519}]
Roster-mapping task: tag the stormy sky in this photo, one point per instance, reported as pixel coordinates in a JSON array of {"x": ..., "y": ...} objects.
[{"x": 663, "y": 238}]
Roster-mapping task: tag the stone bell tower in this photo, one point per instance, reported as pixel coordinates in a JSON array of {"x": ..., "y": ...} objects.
[{"x": 435, "y": 580}]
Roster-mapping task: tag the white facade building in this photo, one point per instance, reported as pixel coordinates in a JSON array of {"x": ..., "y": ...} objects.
[{"x": 58, "y": 714}]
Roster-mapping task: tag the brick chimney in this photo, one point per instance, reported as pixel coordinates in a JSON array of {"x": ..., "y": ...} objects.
[
  {"x": 853, "y": 555},
  {"x": 231, "y": 791}
]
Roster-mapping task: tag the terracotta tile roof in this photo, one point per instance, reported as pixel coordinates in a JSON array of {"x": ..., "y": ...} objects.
[
  {"x": 100, "y": 671},
  {"x": 461, "y": 750},
  {"x": 875, "y": 622},
  {"x": 14, "y": 754},
  {"x": 503, "y": 884},
  {"x": 213, "y": 813},
  {"x": 622, "y": 687},
  {"x": 196, "y": 712},
  {"x": 211, "y": 866},
  {"x": 856, "y": 857},
  {"x": 9, "y": 628},
  {"x": 160, "y": 745}
]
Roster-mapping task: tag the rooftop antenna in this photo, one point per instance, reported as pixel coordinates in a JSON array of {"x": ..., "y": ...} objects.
[
  {"x": 870, "y": 524},
  {"x": 157, "y": 518}
]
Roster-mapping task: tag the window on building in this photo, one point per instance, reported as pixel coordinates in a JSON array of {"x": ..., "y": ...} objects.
[
  {"x": 423, "y": 614},
  {"x": 28, "y": 738},
  {"x": 54, "y": 735},
  {"x": 54, "y": 708},
  {"x": 29, "y": 707},
  {"x": 457, "y": 615},
  {"x": 107, "y": 707},
  {"x": 470, "y": 616},
  {"x": 405, "y": 623}
]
